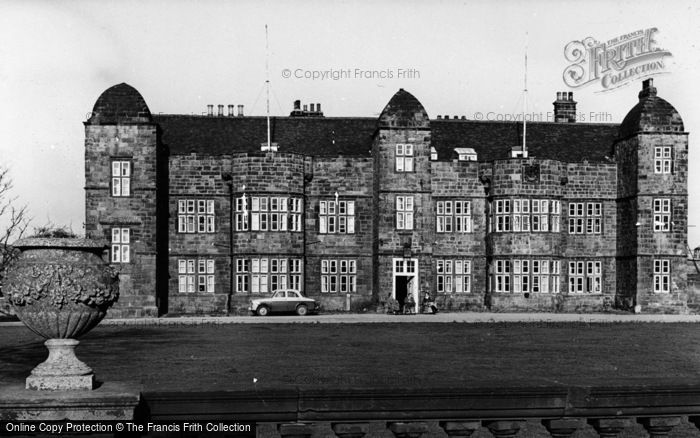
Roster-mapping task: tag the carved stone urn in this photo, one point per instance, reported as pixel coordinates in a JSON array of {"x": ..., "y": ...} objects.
[{"x": 60, "y": 288}]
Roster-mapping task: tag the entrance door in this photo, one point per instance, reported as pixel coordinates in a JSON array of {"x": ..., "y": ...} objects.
[
  {"x": 401, "y": 289},
  {"x": 406, "y": 281}
]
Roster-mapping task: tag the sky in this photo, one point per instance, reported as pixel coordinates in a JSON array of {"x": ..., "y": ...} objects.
[{"x": 457, "y": 57}]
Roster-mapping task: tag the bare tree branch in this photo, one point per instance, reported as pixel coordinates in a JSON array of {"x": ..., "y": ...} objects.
[{"x": 13, "y": 224}]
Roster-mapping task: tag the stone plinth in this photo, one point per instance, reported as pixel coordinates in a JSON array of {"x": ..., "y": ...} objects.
[
  {"x": 111, "y": 401},
  {"x": 62, "y": 370}
]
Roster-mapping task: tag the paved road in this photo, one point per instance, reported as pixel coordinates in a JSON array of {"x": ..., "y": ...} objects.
[{"x": 382, "y": 318}]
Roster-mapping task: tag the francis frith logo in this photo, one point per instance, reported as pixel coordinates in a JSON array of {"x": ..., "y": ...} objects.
[{"x": 615, "y": 62}]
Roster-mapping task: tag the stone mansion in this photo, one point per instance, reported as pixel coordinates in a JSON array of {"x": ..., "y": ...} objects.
[{"x": 203, "y": 214}]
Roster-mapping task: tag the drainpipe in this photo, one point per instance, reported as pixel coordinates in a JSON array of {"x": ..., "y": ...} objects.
[{"x": 229, "y": 182}]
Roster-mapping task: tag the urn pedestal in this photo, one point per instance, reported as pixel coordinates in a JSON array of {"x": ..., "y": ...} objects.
[{"x": 60, "y": 289}]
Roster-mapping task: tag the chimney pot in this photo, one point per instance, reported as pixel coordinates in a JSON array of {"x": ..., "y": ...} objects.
[
  {"x": 306, "y": 108},
  {"x": 210, "y": 110},
  {"x": 297, "y": 105},
  {"x": 230, "y": 111},
  {"x": 565, "y": 107},
  {"x": 240, "y": 110},
  {"x": 439, "y": 117},
  {"x": 221, "y": 110},
  {"x": 312, "y": 107},
  {"x": 318, "y": 107}
]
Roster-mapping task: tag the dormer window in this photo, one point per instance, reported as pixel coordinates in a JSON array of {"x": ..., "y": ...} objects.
[
  {"x": 466, "y": 154},
  {"x": 404, "y": 157},
  {"x": 518, "y": 152},
  {"x": 433, "y": 154},
  {"x": 272, "y": 147}
]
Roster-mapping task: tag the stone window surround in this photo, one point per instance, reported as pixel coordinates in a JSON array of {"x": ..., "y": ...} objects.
[
  {"x": 662, "y": 215},
  {"x": 522, "y": 275},
  {"x": 404, "y": 158},
  {"x": 121, "y": 245},
  {"x": 453, "y": 216},
  {"x": 336, "y": 217},
  {"x": 265, "y": 274},
  {"x": 662, "y": 276},
  {"x": 453, "y": 275},
  {"x": 196, "y": 216},
  {"x": 513, "y": 215},
  {"x": 404, "y": 212},
  {"x": 585, "y": 217},
  {"x": 265, "y": 211},
  {"x": 338, "y": 275},
  {"x": 585, "y": 277},
  {"x": 121, "y": 171},
  {"x": 201, "y": 270},
  {"x": 663, "y": 159}
]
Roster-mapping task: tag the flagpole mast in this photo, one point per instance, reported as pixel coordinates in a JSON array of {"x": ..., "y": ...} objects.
[
  {"x": 525, "y": 104},
  {"x": 267, "y": 83}
]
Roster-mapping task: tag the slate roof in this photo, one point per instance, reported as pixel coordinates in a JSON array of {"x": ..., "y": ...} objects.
[
  {"x": 318, "y": 136},
  {"x": 121, "y": 103},
  {"x": 652, "y": 113},
  {"x": 569, "y": 142},
  {"x": 332, "y": 136},
  {"x": 403, "y": 110}
]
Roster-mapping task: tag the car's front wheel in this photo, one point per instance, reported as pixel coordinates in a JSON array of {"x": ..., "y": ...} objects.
[
  {"x": 302, "y": 310},
  {"x": 263, "y": 311}
]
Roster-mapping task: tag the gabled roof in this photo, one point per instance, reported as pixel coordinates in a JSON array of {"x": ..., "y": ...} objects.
[{"x": 332, "y": 136}]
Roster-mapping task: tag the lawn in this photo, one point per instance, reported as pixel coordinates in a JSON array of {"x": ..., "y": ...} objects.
[{"x": 244, "y": 356}]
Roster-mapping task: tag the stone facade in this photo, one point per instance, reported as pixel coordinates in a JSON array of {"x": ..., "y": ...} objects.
[{"x": 356, "y": 212}]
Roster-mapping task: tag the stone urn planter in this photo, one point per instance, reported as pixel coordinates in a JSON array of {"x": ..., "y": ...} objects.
[{"x": 60, "y": 288}]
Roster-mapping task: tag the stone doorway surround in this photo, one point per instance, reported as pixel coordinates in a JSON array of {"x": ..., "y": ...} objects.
[{"x": 406, "y": 268}]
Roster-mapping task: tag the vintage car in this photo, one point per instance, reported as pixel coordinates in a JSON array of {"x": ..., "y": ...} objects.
[{"x": 287, "y": 300}]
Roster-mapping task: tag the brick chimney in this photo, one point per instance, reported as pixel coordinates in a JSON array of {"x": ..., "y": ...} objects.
[
  {"x": 565, "y": 107},
  {"x": 648, "y": 89},
  {"x": 309, "y": 110}
]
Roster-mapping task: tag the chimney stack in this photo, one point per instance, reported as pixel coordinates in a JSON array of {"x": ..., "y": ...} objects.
[
  {"x": 210, "y": 110},
  {"x": 308, "y": 110},
  {"x": 221, "y": 110},
  {"x": 240, "y": 110},
  {"x": 565, "y": 107},
  {"x": 648, "y": 89},
  {"x": 230, "y": 111}
]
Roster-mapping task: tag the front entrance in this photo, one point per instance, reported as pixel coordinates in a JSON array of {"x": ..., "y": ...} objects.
[{"x": 406, "y": 282}]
